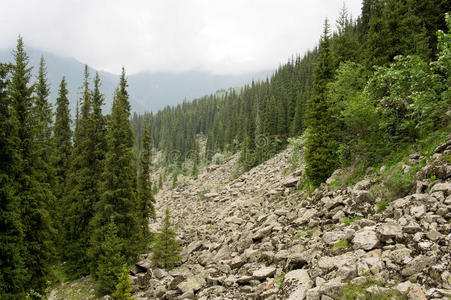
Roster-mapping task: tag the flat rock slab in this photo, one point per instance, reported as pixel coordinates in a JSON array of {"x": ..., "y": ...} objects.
[{"x": 264, "y": 273}]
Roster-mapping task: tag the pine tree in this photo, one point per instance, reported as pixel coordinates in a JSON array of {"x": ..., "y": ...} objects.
[
  {"x": 146, "y": 200},
  {"x": 166, "y": 249},
  {"x": 109, "y": 259},
  {"x": 34, "y": 196},
  {"x": 123, "y": 289},
  {"x": 320, "y": 153},
  {"x": 12, "y": 269}
]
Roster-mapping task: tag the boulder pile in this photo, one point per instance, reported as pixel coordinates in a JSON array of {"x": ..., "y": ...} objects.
[{"x": 261, "y": 237}]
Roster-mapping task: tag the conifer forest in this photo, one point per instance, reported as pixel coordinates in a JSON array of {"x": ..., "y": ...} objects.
[{"x": 78, "y": 189}]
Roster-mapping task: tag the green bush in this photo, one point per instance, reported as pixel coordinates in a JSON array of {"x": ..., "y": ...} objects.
[
  {"x": 398, "y": 183},
  {"x": 296, "y": 146}
]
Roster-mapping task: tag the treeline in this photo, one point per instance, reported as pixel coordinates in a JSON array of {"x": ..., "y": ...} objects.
[
  {"x": 78, "y": 197},
  {"x": 259, "y": 119}
]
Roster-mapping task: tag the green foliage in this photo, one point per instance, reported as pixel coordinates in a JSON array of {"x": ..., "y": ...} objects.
[
  {"x": 83, "y": 187},
  {"x": 118, "y": 189},
  {"x": 279, "y": 279},
  {"x": 347, "y": 221},
  {"x": 123, "y": 287},
  {"x": 35, "y": 196},
  {"x": 321, "y": 144},
  {"x": 12, "y": 268},
  {"x": 166, "y": 249},
  {"x": 296, "y": 146},
  {"x": 407, "y": 99},
  {"x": 382, "y": 205},
  {"x": 109, "y": 261},
  {"x": 146, "y": 200},
  {"x": 398, "y": 182},
  {"x": 341, "y": 244}
]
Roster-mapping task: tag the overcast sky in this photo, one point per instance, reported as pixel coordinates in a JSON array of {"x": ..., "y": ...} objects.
[{"x": 217, "y": 36}]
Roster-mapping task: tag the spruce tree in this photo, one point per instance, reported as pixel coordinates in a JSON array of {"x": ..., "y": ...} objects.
[
  {"x": 44, "y": 143},
  {"x": 34, "y": 195},
  {"x": 123, "y": 288},
  {"x": 63, "y": 139},
  {"x": 320, "y": 156},
  {"x": 166, "y": 249},
  {"x": 118, "y": 198},
  {"x": 146, "y": 200},
  {"x": 12, "y": 268},
  {"x": 81, "y": 192},
  {"x": 110, "y": 260}
]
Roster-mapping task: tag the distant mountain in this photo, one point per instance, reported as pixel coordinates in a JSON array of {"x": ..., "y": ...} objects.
[{"x": 148, "y": 91}]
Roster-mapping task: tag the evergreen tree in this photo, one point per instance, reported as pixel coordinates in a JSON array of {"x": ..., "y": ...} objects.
[
  {"x": 63, "y": 139},
  {"x": 118, "y": 198},
  {"x": 34, "y": 195},
  {"x": 12, "y": 268},
  {"x": 81, "y": 194},
  {"x": 166, "y": 249},
  {"x": 321, "y": 145},
  {"x": 63, "y": 148},
  {"x": 123, "y": 288},
  {"x": 44, "y": 144},
  {"x": 110, "y": 260},
  {"x": 146, "y": 200},
  {"x": 394, "y": 29}
]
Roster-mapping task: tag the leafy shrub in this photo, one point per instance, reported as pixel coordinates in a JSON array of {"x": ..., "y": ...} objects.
[
  {"x": 296, "y": 146},
  {"x": 382, "y": 205},
  {"x": 398, "y": 183}
]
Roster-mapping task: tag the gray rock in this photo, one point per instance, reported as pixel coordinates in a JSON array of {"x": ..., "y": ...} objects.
[
  {"x": 331, "y": 289},
  {"x": 211, "y": 195},
  {"x": 291, "y": 181},
  {"x": 332, "y": 237},
  {"x": 365, "y": 239},
  {"x": 295, "y": 284},
  {"x": 263, "y": 273},
  {"x": 442, "y": 187},
  {"x": 262, "y": 233},
  {"x": 418, "y": 264},
  {"x": 388, "y": 231},
  {"x": 363, "y": 185},
  {"x": 193, "y": 283},
  {"x": 306, "y": 216},
  {"x": 236, "y": 262},
  {"x": 418, "y": 211}
]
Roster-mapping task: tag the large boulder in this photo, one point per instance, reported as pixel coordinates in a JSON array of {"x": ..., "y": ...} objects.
[
  {"x": 365, "y": 239},
  {"x": 295, "y": 285},
  {"x": 388, "y": 231}
]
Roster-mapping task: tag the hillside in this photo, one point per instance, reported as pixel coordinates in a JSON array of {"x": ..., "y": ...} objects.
[
  {"x": 261, "y": 236},
  {"x": 148, "y": 91}
]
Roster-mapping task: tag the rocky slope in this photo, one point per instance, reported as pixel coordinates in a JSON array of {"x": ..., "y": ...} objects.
[{"x": 259, "y": 237}]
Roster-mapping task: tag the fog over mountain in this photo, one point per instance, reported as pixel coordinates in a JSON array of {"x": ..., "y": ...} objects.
[{"x": 148, "y": 91}]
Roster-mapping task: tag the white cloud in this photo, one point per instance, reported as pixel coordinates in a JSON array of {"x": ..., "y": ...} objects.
[{"x": 218, "y": 36}]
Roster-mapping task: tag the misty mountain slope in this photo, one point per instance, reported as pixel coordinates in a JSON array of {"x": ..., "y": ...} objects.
[{"x": 148, "y": 91}]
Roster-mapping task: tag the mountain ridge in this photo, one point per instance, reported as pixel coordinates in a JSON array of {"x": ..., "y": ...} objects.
[{"x": 149, "y": 91}]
